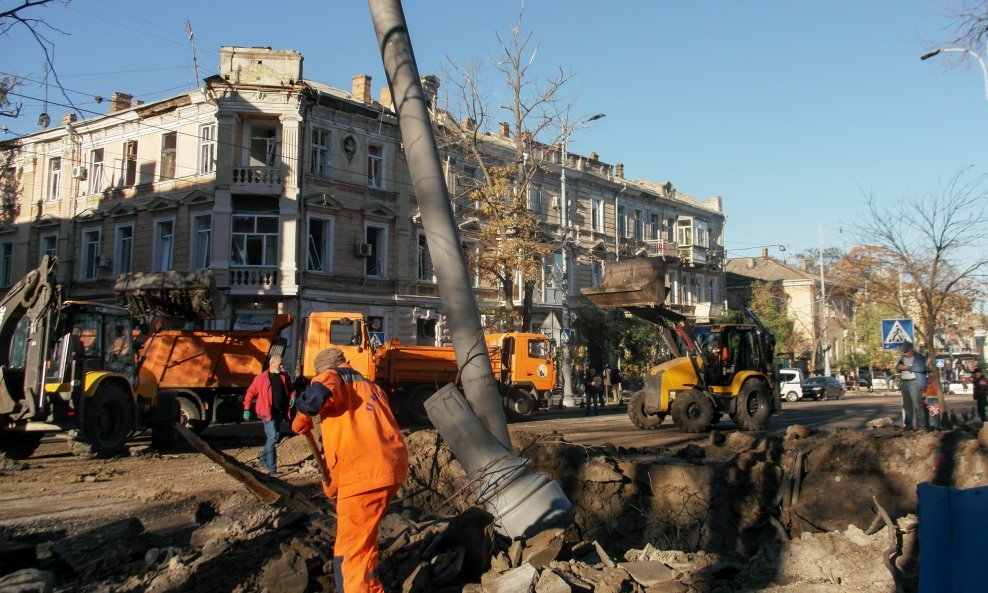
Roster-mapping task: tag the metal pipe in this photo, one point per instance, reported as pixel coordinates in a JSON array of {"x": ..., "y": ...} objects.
[{"x": 449, "y": 262}]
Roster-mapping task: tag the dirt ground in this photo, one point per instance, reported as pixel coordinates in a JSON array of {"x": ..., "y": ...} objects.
[{"x": 807, "y": 512}]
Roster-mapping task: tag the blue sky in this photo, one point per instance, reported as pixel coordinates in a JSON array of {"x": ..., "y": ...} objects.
[{"x": 791, "y": 111}]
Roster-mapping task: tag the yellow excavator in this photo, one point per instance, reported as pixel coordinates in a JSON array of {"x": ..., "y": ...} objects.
[
  {"x": 72, "y": 366},
  {"x": 715, "y": 369}
]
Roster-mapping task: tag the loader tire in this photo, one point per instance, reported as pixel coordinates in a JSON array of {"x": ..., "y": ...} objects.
[
  {"x": 636, "y": 412},
  {"x": 754, "y": 408},
  {"x": 109, "y": 418},
  {"x": 693, "y": 411}
]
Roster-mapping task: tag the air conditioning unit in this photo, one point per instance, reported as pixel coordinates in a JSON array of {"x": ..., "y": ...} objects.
[
  {"x": 103, "y": 261},
  {"x": 79, "y": 172},
  {"x": 555, "y": 203},
  {"x": 363, "y": 249}
]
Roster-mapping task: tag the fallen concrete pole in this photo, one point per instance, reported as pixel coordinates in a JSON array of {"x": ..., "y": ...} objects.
[{"x": 521, "y": 502}]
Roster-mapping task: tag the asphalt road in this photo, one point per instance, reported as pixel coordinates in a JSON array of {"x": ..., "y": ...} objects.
[{"x": 612, "y": 425}]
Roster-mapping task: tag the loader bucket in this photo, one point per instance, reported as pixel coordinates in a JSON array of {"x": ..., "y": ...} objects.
[
  {"x": 630, "y": 283},
  {"x": 190, "y": 295}
]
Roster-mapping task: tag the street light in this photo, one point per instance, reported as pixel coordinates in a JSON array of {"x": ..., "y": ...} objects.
[
  {"x": 567, "y": 368},
  {"x": 984, "y": 67}
]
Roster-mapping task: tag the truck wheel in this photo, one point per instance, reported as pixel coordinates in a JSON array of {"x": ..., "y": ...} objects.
[
  {"x": 754, "y": 406},
  {"x": 636, "y": 412},
  {"x": 518, "y": 404},
  {"x": 191, "y": 415},
  {"x": 413, "y": 408},
  {"x": 108, "y": 420},
  {"x": 692, "y": 411},
  {"x": 792, "y": 396},
  {"x": 166, "y": 415},
  {"x": 18, "y": 444}
]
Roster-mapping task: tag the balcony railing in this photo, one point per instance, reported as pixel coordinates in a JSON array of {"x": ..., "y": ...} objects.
[
  {"x": 659, "y": 248},
  {"x": 259, "y": 278},
  {"x": 693, "y": 255},
  {"x": 258, "y": 179}
]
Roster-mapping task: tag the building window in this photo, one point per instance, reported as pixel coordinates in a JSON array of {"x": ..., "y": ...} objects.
[
  {"x": 425, "y": 272},
  {"x": 169, "y": 144},
  {"x": 255, "y": 240},
  {"x": 207, "y": 148},
  {"x": 656, "y": 224},
  {"x": 639, "y": 225},
  {"x": 96, "y": 171},
  {"x": 202, "y": 241},
  {"x": 684, "y": 232},
  {"x": 702, "y": 234},
  {"x": 321, "y": 143},
  {"x": 6, "y": 263},
  {"x": 320, "y": 243},
  {"x": 622, "y": 222},
  {"x": 123, "y": 250},
  {"x": 263, "y": 145},
  {"x": 376, "y": 264},
  {"x": 130, "y": 163},
  {"x": 48, "y": 245},
  {"x": 90, "y": 254},
  {"x": 535, "y": 200},
  {"x": 164, "y": 245},
  {"x": 669, "y": 230},
  {"x": 375, "y": 165},
  {"x": 54, "y": 178},
  {"x": 596, "y": 272},
  {"x": 597, "y": 215},
  {"x": 711, "y": 290}
]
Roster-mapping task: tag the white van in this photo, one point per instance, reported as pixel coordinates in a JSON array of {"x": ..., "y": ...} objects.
[{"x": 791, "y": 384}]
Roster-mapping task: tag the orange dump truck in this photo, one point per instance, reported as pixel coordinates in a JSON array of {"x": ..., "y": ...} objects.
[
  {"x": 522, "y": 364},
  {"x": 209, "y": 371}
]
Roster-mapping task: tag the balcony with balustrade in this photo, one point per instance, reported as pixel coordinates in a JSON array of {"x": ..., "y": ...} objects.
[{"x": 258, "y": 180}]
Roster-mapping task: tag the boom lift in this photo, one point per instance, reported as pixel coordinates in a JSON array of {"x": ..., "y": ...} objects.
[
  {"x": 715, "y": 369},
  {"x": 71, "y": 366}
]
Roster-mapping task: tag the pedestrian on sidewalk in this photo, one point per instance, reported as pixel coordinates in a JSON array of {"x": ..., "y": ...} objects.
[
  {"x": 594, "y": 387},
  {"x": 912, "y": 381},
  {"x": 367, "y": 459},
  {"x": 271, "y": 394},
  {"x": 980, "y": 385}
]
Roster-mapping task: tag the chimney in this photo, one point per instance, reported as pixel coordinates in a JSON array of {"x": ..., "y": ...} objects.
[
  {"x": 764, "y": 252},
  {"x": 593, "y": 156},
  {"x": 804, "y": 264},
  {"x": 386, "y": 97},
  {"x": 526, "y": 137},
  {"x": 69, "y": 118},
  {"x": 619, "y": 170},
  {"x": 504, "y": 130},
  {"x": 362, "y": 88},
  {"x": 430, "y": 86},
  {"x": 119, "y": 102}
]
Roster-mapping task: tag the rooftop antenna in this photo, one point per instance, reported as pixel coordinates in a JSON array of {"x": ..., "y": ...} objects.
[
  {"x": 44, "y": 120},
  {"x": 192, "y": 41}
]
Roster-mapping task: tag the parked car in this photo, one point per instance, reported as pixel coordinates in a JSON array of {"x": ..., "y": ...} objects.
[
  {"x": 864, "y": 381},
  {"x": 823, "y": 388},
  {"x": 791, "y": 384}
]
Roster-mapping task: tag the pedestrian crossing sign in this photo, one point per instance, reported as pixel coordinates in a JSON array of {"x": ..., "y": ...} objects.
[{"x": 895, "y": 332}]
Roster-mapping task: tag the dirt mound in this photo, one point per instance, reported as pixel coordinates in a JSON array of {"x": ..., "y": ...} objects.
[{"x": 806, "y": 512}]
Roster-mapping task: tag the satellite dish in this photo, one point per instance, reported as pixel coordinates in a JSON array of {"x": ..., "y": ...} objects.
[{"x": 44, "y": 120}]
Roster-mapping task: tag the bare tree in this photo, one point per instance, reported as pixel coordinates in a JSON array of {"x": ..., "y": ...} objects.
[
  {"x": 970, "y": 28},
  {"x": 512, "y": 241},
  {"x": 926, "y": 254}
]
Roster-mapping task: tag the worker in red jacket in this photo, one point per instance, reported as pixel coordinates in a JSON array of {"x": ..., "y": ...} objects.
[
  {"x": 272, "y": 395},
  {"x": 367, "y": 460}
]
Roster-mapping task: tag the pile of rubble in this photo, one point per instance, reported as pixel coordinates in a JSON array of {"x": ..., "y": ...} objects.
[{"x": 806, "y": 512}]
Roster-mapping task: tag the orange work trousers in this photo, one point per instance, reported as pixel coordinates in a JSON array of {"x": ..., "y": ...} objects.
[{"x": 358, "y": 518}]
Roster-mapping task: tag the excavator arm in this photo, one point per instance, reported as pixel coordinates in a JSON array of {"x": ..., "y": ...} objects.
[{"x": 27, "y": 313}]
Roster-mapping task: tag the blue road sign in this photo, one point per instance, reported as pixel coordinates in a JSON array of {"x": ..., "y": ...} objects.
[
  {"x": 897, "y": 331},
  {"x": 566, "y": 336},
  {"x": 376, "y": 339}
]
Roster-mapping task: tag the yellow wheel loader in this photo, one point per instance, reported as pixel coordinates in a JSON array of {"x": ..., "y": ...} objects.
[{"x": 715, "y": 369}]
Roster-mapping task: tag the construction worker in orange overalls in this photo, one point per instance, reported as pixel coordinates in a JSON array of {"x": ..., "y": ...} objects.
[{"x": 367, "y": 462}]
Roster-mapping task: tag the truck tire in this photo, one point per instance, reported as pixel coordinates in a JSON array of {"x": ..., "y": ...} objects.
[
  {"x": 636, "y": 412},
  {"x": 190, "y": 414},
  {"x": 413, "y": 408},
  {"x": 692, "y": 411},
  {"x": 164, "y": 435},
  {"x": 518, "y": 404},
  {"x": 109, "y": 418},
  {"x": 754, "y": 407}
]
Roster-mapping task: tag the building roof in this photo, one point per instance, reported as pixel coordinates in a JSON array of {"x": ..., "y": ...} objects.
[{"x": 766, "y": 269}]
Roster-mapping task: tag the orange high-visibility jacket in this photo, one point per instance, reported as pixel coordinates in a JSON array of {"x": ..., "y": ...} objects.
[{"x": 363, "y": 447}]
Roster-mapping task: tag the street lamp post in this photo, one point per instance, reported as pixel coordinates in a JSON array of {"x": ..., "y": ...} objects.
[
  {"x": 569, "y": 400},
  {"x": 824, "y": 345},
  {"x": 984, "y": 67}
]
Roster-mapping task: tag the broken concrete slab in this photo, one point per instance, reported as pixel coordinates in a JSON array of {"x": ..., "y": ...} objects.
[
  {"x": 550, "y": 582},
  {"x": 28, "y": 580},
  {"x": 648, "y": 573},
  {"x": 286, "y": 574},
  {"x": 543, "y": 548},
  {"x": 516, "y": 580}
]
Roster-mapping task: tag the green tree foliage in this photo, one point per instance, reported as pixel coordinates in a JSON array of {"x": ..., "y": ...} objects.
[{"x": 768, "y": 301}]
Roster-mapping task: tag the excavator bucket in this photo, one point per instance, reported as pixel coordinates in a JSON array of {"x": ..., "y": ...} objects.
[
  {"x": 190, "y": 295},
  {"x": 630, "y": 283}
]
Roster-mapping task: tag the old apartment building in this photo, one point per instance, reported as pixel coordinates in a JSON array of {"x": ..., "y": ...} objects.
[{"x": 297, "y": 195}]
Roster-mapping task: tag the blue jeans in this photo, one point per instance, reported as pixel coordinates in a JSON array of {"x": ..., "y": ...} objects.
[
  {"x": 269, "y": 456},
  {"x": 913, "y": 410}
]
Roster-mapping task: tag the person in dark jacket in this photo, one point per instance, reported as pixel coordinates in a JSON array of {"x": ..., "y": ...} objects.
[
  {"x": 980, "y": 385},
  {"x": 271, "y": 395}
]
